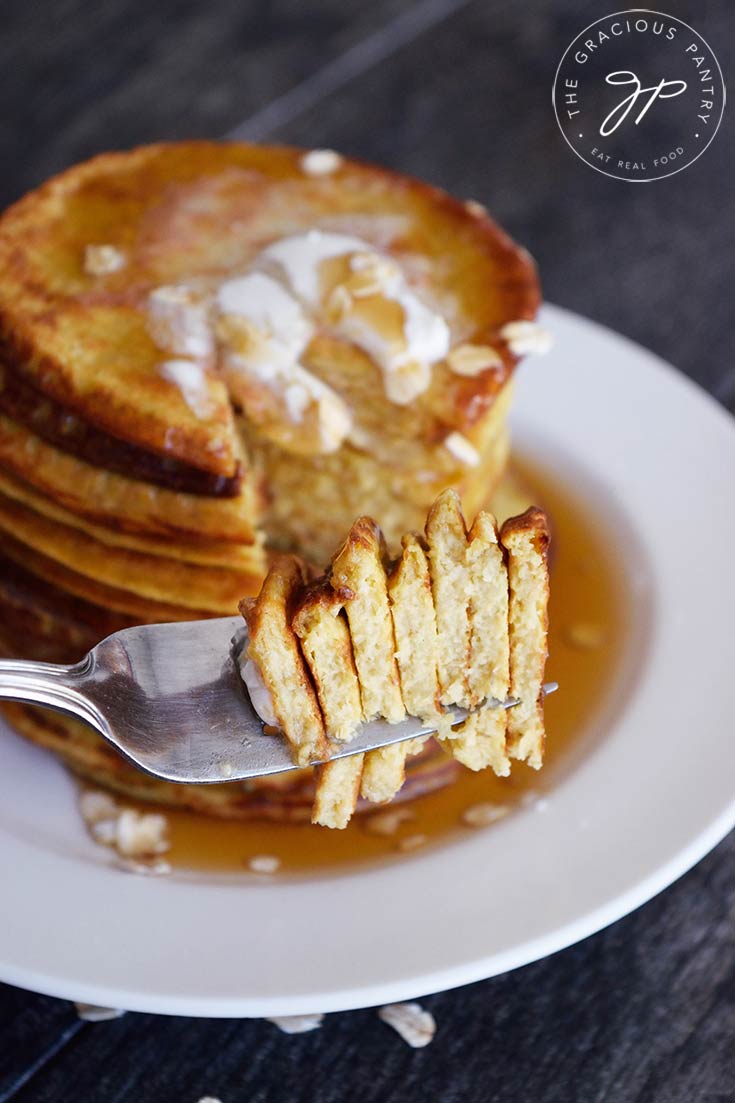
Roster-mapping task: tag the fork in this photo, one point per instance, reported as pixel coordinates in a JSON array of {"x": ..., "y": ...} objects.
[{"x": 170, "y": 698}]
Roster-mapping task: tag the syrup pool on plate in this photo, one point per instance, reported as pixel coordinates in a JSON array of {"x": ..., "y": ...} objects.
[{"x": 587, "y": 618}]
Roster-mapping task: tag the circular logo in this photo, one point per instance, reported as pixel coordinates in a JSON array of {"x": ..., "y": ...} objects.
[{"x": 639, "y": 95}]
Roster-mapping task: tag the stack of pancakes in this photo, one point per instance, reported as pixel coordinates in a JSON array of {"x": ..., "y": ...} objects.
[{"x": 143, "y": 480}]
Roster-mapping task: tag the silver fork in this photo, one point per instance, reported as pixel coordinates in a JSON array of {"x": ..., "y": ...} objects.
[{"x": 170, "y": 698}]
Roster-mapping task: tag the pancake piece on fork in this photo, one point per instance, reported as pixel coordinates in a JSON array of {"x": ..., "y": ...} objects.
[
  {"x": 321, "y": 626},
  {"x": 446, "y": 536},
  {"x": 358, "y": 577},
  {"x": 373, "y": 645},
  {"x": 526, "y": 541},
  {"x": 414, "y": 627},
  {"x": 480, "y": 740},
  {"x": 274, "y": 669}
]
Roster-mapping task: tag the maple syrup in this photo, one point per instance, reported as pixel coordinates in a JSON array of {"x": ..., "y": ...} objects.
[{"x": 587, "y": 616}]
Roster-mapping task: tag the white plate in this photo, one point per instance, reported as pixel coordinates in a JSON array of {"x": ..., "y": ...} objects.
[{"x": 654, "y": 457}]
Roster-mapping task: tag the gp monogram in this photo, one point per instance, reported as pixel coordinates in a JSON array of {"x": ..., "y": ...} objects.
[
  {"x": 639, "y": 95},
  {"x": 664, "y": 90}
]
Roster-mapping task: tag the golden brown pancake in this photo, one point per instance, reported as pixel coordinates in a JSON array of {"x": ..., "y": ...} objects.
[
  {"x": 48, "y": 419},
  {"x": 171, "y": 581},
  {"x": 138, "y": 497},
  {"x": 274, "y": 648},
  {"x": 22, "y": 589},
  {"x": 446, "y": 537},
  {"x": 82, "y": 359},
  {"x": 142, "y": 610},
  {"x": 480, "y": 741},
  {"x": 247, "y": 557},
  {"x": 45, "y": 624},
  {"x": 414, "y": 625},
  {"x": 358, "y": 577},
  {"x": 309, "y": 507},
  {"x": 121, "y": 502},
  {"x": 321, "y": 626},
  {"x": 526, "y": 541}
]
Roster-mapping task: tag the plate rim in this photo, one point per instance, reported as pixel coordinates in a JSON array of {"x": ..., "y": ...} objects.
[{"x": 452, "y": 975}]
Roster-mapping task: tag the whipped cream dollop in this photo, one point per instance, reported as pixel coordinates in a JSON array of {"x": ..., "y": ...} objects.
[
  {"x": 178, "y": 319},
  {"x": 257, "y": 327},
  {"x": 191, "y": 379},
  {"x": 264, "y": 331},
  {"x": 301, "y": 255},
  {"x": 375, "y": 307},
  {"x": 275, "y": 313}
]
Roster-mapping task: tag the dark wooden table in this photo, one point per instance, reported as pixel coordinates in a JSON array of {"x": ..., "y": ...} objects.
[{"x": 457, "y": 92}]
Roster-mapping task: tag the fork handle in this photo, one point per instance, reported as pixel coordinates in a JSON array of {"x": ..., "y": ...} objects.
[{"x": 49, "y": 684}]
